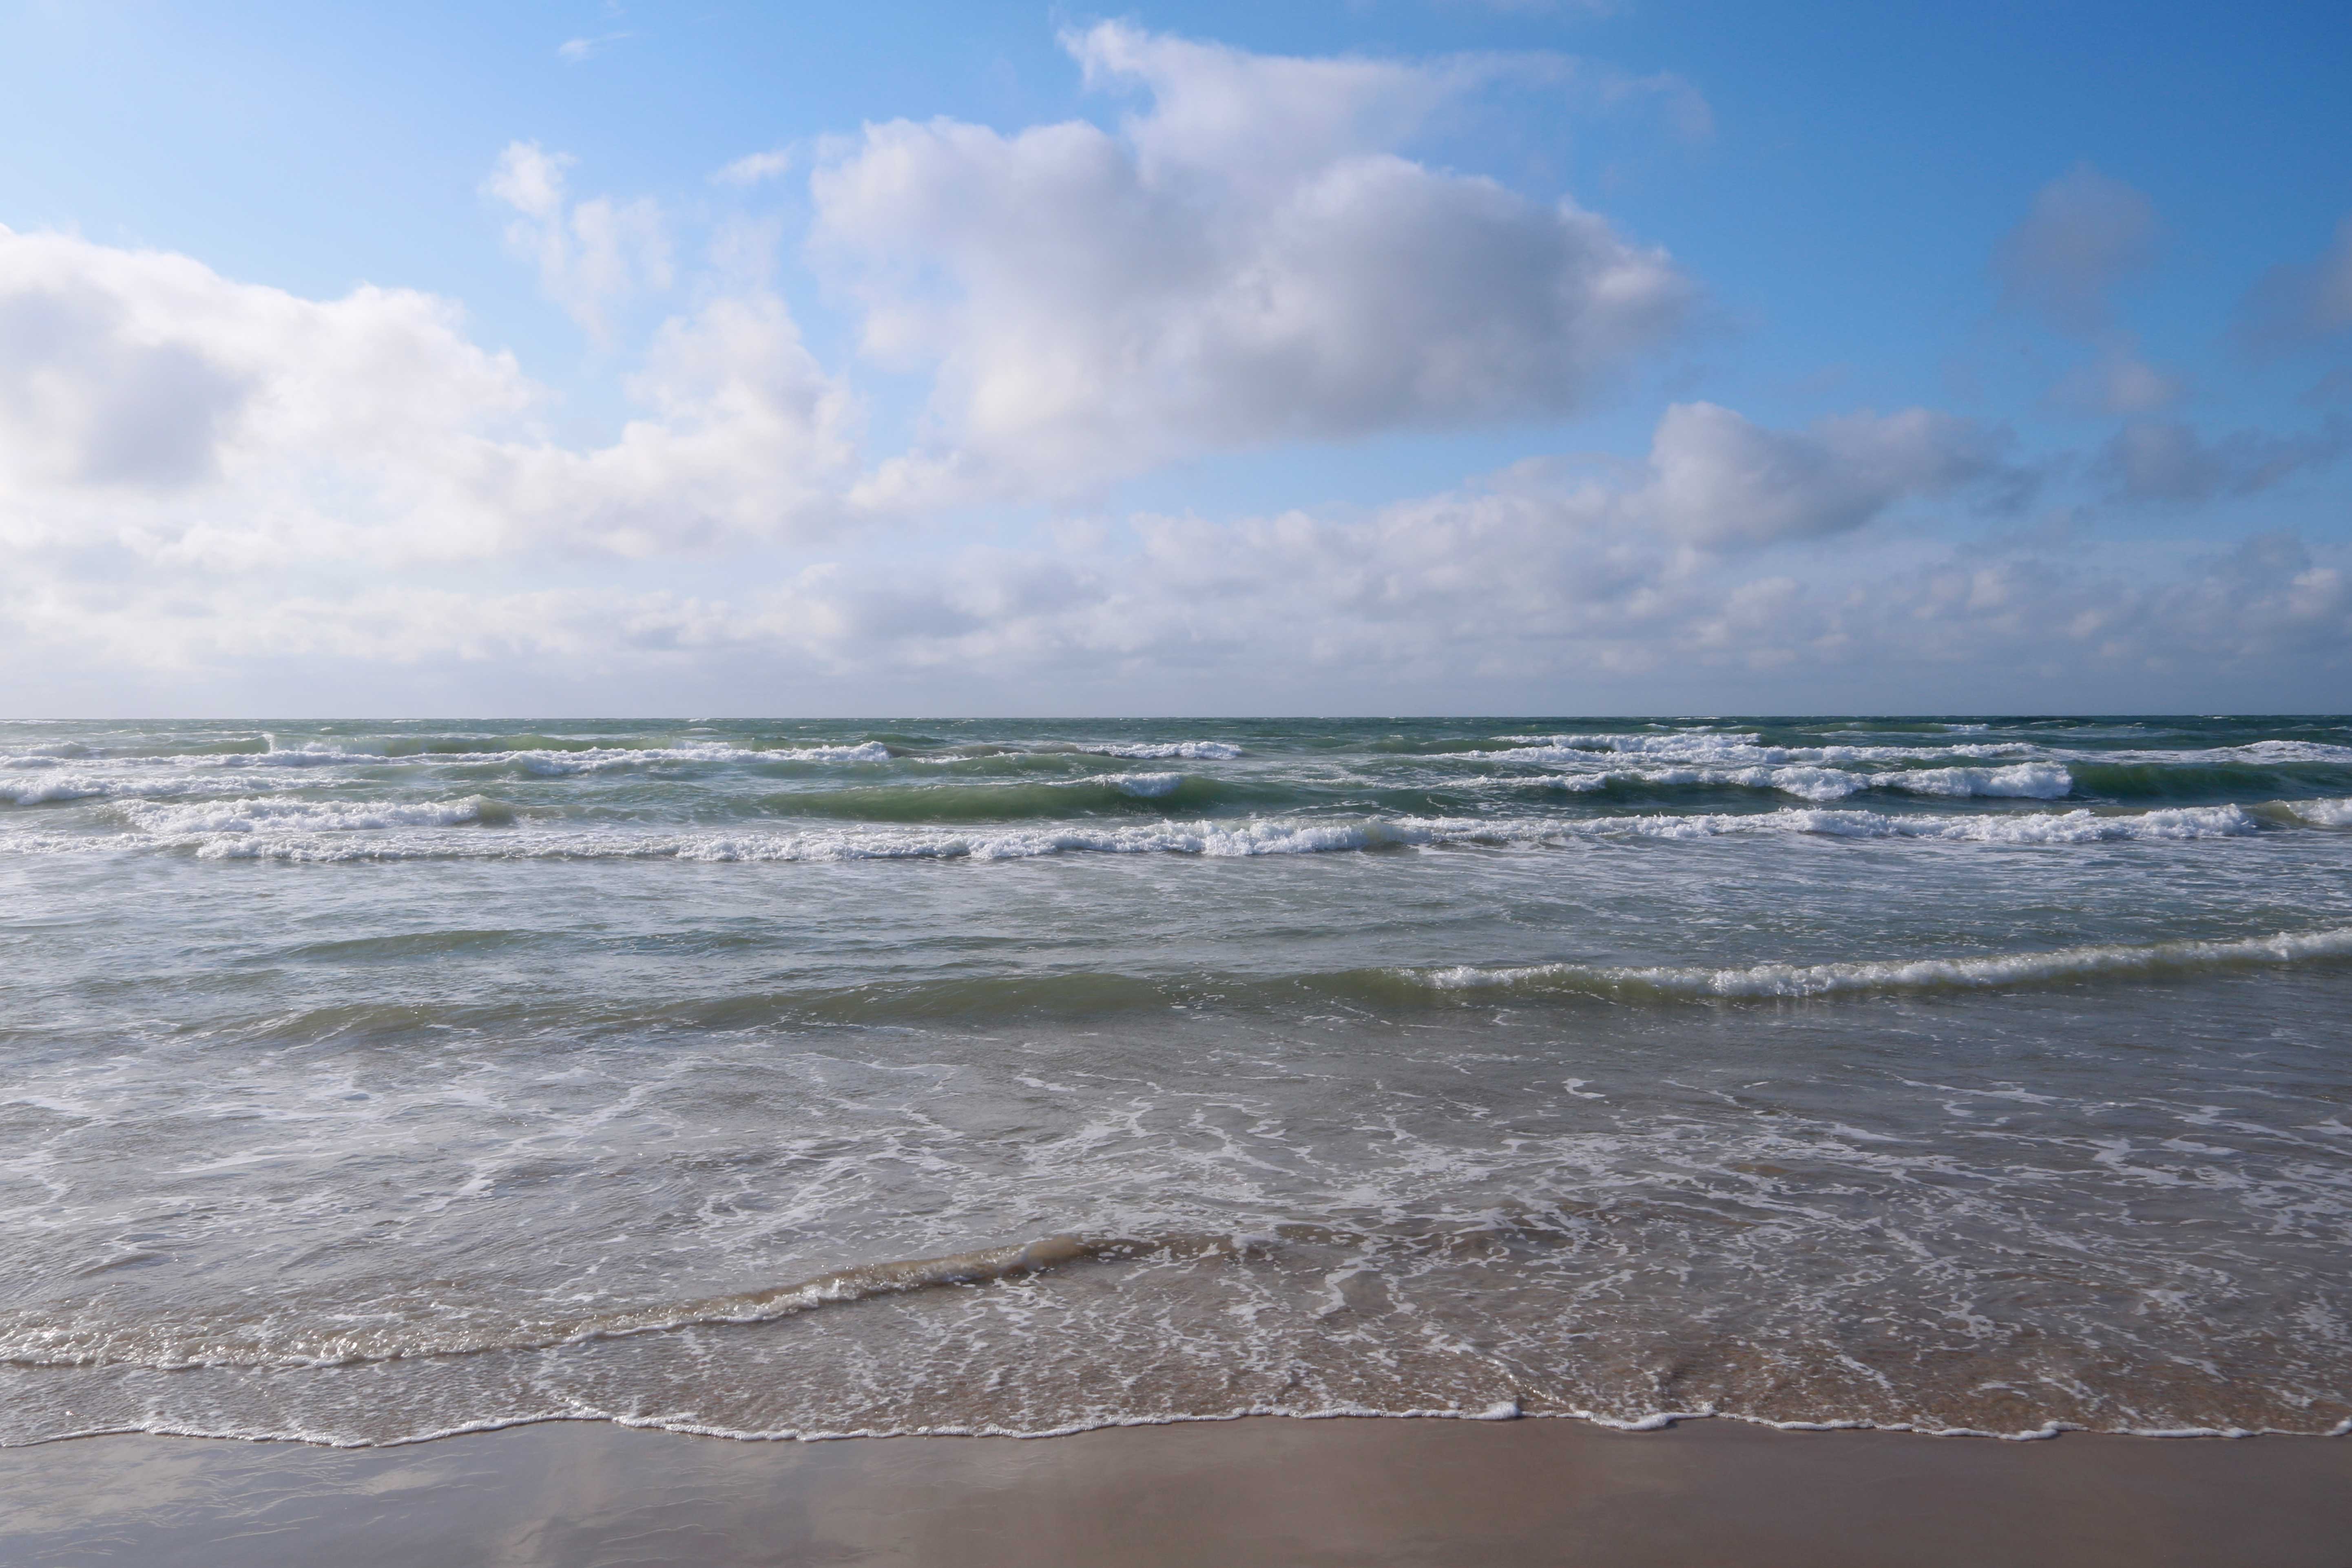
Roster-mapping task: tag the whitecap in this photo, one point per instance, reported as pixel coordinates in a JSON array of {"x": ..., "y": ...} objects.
[{"x": 1185, "y": 750}]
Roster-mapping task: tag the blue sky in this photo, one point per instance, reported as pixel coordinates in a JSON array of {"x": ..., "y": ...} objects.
[{"x": 1409, "y": 355}]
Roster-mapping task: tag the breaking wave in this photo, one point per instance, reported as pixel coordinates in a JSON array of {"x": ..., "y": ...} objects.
[
  {"x": 269, "y": 815},
  {"x": 2021, "y": 781},
  {"x": 311, "y": 831},
  {"x": 97, "y": 1345},
  {"x": 1187, "y": 750},
  {"x": 1769, "y": 980}
]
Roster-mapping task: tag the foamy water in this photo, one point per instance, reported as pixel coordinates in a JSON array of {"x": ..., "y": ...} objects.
[{"x": 363, "y": 1082}]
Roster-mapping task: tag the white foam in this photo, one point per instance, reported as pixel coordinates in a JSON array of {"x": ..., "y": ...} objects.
[
  {"x": 277, "y": 815},
  {"x": 1207, "y": 839},
  {"x": 1723, "y": 751},
  {"x": 2081, "y": 827},
  {"x": 1894, "y": 975},
  {"x": 549, "y": 761},
  {"x": 2322, "y": 813},
  {"x": 309, "y": 831},
  {"x": 552, "y": 763},
  {"x": 2028, "y": 781},
  {"x": 2291, "y": 752},
  {"x": 1143, "y": 786},
  {"x": 1186, "y": 750},
  {"x": 102, "y": 786},
  {"x": 2035, "y": 780}
]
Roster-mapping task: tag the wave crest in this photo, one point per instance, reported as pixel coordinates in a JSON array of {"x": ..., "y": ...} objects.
[{"x": 1793, "y": 980}]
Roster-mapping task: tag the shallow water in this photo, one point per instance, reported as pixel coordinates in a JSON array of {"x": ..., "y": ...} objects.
[{"x": 359, "y": 1082}]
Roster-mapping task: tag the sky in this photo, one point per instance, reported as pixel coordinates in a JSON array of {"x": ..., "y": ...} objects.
[{"x": 1358, "y": 357}]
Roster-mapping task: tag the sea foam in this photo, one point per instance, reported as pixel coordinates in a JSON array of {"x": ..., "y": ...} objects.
[{"x": 1766, "y": 980}]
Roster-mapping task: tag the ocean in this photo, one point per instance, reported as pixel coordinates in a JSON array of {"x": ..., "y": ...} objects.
[{"x": 363, "y": 1082}]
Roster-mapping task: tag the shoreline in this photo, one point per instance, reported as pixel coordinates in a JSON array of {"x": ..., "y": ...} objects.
[
  {"x": 1243, "y": 1490},
  {"x": 1507, "y": 1412}
]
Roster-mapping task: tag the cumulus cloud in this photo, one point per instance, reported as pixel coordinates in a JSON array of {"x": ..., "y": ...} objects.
[
  {"x": 1247, "y": 260},
  {"x": 592, "y": 256},
  {"x": 2085, "y": 234},
  {"x": 151, "y": 407},
  {"x": 94, "y": 395},
  {"x": 2165, "y": 460},
  {"x": 1718, "y": 479}
]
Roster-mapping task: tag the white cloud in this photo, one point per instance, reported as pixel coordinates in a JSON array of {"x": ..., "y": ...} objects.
[
  {"x": 573, "y": 51},
  {"x": 592, "y": 256},
  {"x": 150, "y": 407},
  {"x": 1248, "y": 260},
  {"x": 754, "y": 167},
  {"x": 1719, "y": 480}
]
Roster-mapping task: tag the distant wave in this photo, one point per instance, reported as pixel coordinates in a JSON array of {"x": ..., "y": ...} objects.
[
  {"x": 1189, "y": 750},
  {"x": 1006, "y": 803},
  {"x": 269, "y": 815},
  {"x": 2119, "y": 772},
  {"x": 56, "y": 788},
  {"x": 2025, "y": 780},
  {"x": 1730, "y": 749},
  {"x": 552, "y": 761},
  {"x": 309, "y": 831}
]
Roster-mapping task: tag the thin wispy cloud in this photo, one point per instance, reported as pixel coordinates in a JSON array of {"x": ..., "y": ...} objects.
[
  {"x": 571, "y": 51},
  {"x": 755, "y": 167}
]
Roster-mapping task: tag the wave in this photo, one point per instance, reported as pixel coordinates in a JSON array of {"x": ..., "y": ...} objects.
[
  {"x": 2120, "y": 773},
  {"x": 1777, "y": 980},
  {"x": 2320, "y": 813},
  {"x": 61, "y": 787},
  {"x": 311, "y": 816},
  {"x": 1212, "y": 839},
  {"x": 1715, "y": 747},
  {"x": 977, "y": 802},
  {"x": 1068, "y": 996},
  {"x": 248, "y": 829},
  {"x": 1081, "y": 994},
  {"x": 1185, "y": 750},
  {"x": 2079, "y": 827},
  {"x": 550, "y": 761},
  {"x": 94, "y": 1346},
  {"x": 2023, "y": 781}
]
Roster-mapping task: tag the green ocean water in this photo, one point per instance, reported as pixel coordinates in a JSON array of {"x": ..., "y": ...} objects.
[{"x": 361, "y": 1081}]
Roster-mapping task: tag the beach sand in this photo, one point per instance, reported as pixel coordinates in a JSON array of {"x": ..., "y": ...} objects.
[{"x": 1264, "y": 1491}]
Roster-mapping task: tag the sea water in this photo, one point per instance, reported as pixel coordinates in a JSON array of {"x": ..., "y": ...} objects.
[{"x": 365, "y": 1082}]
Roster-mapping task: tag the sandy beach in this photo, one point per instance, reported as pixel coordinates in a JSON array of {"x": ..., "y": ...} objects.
[{"x": 1261, "y": 1490}]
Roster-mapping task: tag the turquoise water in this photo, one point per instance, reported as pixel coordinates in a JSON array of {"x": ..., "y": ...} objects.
[{"x": 364, "y": 1082}]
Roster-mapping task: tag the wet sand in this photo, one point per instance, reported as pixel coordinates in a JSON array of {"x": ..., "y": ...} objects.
[{"x": 1264, "y": 1490}]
